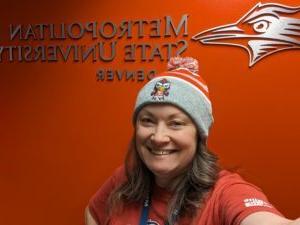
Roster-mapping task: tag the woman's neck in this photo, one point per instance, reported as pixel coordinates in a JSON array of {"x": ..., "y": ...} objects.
[{"x": 168, "y": 183}]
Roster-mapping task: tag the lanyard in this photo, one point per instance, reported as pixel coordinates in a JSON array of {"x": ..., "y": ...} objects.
[{"x": 145, "y": 212}]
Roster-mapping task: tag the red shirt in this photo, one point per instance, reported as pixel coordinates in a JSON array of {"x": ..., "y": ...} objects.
[{"x": 229, "y": 202}]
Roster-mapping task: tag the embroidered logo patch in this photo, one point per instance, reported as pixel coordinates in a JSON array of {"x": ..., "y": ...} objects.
[
  {"x": 250, "y": 202},
  {"x": 161, "y": 89}
]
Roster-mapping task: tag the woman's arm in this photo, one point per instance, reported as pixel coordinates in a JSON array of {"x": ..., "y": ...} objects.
[
  {"x": 267, "y": 218},
  {"x": 89, "y": 220}
]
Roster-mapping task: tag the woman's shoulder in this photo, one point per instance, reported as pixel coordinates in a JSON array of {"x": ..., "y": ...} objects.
[
  {"x": 117, "y": 178},
  {"x": 227, "y": 178},
  {"x": 231, "y": 185},
  {"x": 233, "y": 198},
  {"x": 119, "y": 174},
  {"x": 97, "y": 204}
]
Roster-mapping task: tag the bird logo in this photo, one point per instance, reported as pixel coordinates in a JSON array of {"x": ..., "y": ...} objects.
[
  {"x": 262, "y": 31},
  {"x": 161, "y": 89}
]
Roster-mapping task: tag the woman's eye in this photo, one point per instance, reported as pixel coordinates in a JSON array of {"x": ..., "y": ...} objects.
[
  {"x": 176, "y": 124},
  {"x": 146, "y": 120}
]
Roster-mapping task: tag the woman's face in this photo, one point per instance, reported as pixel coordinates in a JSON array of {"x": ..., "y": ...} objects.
[{"x": 166, "y": 140}]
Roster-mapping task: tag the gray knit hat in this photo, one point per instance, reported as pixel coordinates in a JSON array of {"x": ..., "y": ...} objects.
[{"x": 181, "y": 86}]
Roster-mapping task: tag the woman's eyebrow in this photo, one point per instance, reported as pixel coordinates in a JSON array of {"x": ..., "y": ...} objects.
[
  {"x": 146, "y": 112},
  {"x": 179, "y": 114}
]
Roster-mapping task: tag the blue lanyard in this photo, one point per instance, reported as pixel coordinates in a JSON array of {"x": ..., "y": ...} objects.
[{"x": 145, "y": 212}]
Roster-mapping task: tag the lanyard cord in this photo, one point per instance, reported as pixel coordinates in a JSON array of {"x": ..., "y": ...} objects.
[{"x": 145, "y": 213}]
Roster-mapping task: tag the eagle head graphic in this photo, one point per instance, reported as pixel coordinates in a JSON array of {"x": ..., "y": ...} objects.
[{"x": 264, "y": 30}]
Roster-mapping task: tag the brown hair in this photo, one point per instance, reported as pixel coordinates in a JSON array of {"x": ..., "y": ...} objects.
[{"x": 189, "y": 194}]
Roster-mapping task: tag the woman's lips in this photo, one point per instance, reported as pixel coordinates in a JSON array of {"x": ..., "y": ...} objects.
[{"x": 160, "y": 151}]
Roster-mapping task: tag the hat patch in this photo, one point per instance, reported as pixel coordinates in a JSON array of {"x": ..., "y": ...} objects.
[{"x": 161, "y": 89}]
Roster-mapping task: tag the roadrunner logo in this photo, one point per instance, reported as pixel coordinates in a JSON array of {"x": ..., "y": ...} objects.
[{"x": 264, "y": 30}]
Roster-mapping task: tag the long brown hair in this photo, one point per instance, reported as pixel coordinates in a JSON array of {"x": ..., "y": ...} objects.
[{"x": 189, "y": 193}]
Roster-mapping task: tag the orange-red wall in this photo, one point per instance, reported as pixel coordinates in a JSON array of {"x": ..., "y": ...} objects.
[{"x": 62, "y": 133}]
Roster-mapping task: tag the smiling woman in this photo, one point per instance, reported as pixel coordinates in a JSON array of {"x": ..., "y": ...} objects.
[{"x": 170, "y": 177}]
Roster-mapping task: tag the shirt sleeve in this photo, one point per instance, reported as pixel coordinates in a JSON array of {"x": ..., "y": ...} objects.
[
  {"x": 97, "y": 204},
  {"x": 240, "y": 199}
]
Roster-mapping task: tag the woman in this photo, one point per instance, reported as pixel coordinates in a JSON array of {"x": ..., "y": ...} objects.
[{"x": 170, "y": 177}]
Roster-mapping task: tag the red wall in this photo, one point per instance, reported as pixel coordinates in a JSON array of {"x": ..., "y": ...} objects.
[{"x": 62, "y": 132}]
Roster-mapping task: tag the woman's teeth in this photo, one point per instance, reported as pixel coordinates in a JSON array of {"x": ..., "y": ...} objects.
[{"x": 160, "y": 152}]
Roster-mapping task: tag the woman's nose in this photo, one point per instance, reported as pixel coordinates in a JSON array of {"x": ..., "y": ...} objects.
[{"x": 160, "y": 136}]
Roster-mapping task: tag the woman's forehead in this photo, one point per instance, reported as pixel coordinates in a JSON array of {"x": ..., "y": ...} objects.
[{"x": 162, "y": 109}]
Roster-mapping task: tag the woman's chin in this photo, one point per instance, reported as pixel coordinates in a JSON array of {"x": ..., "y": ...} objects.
[
  {"x": 162, "y": 171},
  {"x": 163, "y": 175}
]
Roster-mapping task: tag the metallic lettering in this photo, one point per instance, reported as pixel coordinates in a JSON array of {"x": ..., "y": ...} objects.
[
  {"x": 30, "y": 34},
  {"x": 126, "y": 27},
  {"x": 169, "y": 25},
  {"x": 183, "y": 48},
  {"x": 155, "y": 29},
  {"x": 112, "y": 51},
  {"x": 55, "y": 35},
  {"x": 110, "y": 75},
  {"x": 156, "y": 53},
  {"x": 129, "y": 53},
  {"x": 1, "y": 51},
  {"x": 91, "y": 27},
  {"x": 88, "y": 52},
  {"x": 27, "y": 51},
  {"x": 52, "y": 53},
  {"x": 15, "y": 31},
  {"x": 113, "y": 29},
  {"x": 75, "y": 26},
  {"x": 140, "y": 27},
  {"x": 143, "y": 50}
]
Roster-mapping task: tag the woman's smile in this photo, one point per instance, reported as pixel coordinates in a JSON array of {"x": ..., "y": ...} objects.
[{"x": 160, "y": 152}]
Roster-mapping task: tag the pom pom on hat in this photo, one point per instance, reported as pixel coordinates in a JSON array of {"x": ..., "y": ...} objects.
[
  {"x": 183, "y": 87},
  {"x": 187, "y": 62}
]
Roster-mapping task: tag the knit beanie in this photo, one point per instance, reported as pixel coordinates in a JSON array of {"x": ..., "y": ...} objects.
[{"x": 183, "y": 87}]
